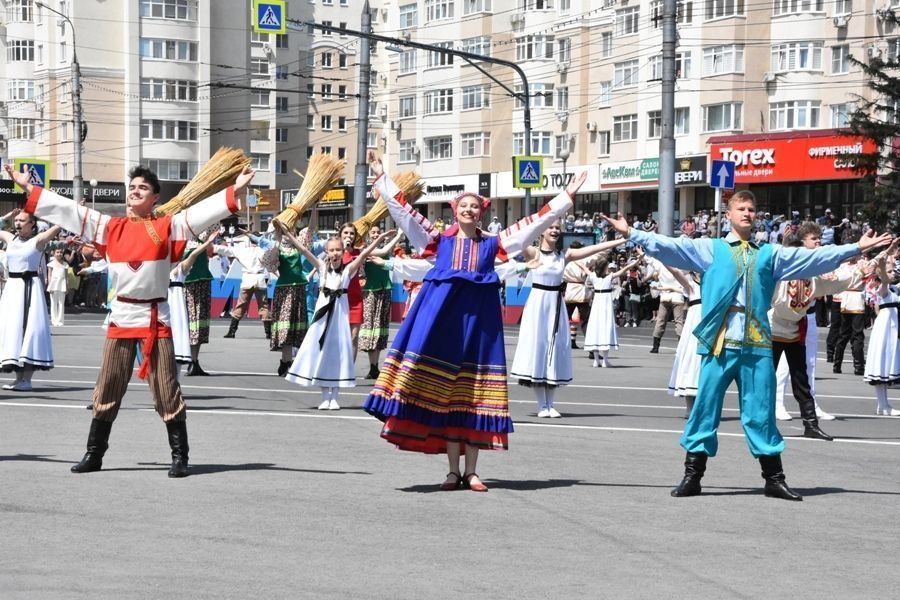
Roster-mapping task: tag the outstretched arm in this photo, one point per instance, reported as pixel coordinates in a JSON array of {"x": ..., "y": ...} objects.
[
  {"x": 417, "y": 228},
  {"x": 580, "y": 253},
  {"x": 188, "y": 262},
  {"x": 45, "y": 238},
  {"x": 388, "y": 248},
  {"x": 682, "y": 279},
  {"x": 626, "y": 268},
  {"x": 312, "y": 258},
  {"x": 357, "y": 262},
  {"x": 803, "y": 263},
  {"x": 682, "y": 253}
]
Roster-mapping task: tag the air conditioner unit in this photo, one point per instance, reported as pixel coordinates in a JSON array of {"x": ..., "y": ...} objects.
[
  {"x": 768, "y": 77},
  {"x": 562, "y": 115},
  {"x": 841, "y": 20},
  {"x": 416, "y": 150},
  {"x": 405, "y": 35},
  {"x": 873, "y": 52},
  {"x": 384, "y": 112},
  {"x": 591, "y": 126},
  {"x": 395, "y": 125},
  {"x": 517, "y": 19},
  {"x": 563, "y": 66}
]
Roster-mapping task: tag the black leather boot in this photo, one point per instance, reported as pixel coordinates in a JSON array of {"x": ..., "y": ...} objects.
[
  {"x": 178, "y": 441},
  {"x": 267, "y": 325},
  {"x": 574, "y": 344},
  {"x": 694, "y": 468},
  {"x": 283, "y": 366},
  {"x": 655, "y": 348},
  {"x": 374, "y": 372},
  {"x": 232, "y": 329},
  {"x": 773, "y": 473},
  {"x": 811, "y": 430},
  {"x": 194, "y": 370},
  {"x": 190, "y": 370},
  {"x": 98, "y": 442}
]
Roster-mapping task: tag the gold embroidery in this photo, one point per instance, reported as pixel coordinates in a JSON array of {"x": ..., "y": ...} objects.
[{"x": 151, "y": 230}]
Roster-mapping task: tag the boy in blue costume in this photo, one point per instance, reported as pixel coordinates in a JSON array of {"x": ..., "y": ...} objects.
[{"x": 733, "y": 335}]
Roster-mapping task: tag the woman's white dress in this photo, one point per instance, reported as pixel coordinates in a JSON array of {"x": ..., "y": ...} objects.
[
  {"x": 543, "y": 354},
  {"x": 601, "y": 328},
  {"x": 686, "y": 369},
  {"x": 328, "y": 361},
  {"x": 883, "y": 357},
  {"x": 24, "y": 340},
  {"x": 178, "y": 316}
]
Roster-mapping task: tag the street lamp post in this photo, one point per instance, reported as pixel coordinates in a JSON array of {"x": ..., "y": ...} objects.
[
  {"x": 93, "y": 183},
  {"x": 77, "y": 180}
]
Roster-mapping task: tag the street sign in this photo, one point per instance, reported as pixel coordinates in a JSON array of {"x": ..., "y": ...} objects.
[
  {"x": 721, "y": 175},
  {"x": 527, "y": 171},
  {"x": 38, "y": 170},
  {"x": 269, "y": 16},
  {"x": 251, "y": 200}
]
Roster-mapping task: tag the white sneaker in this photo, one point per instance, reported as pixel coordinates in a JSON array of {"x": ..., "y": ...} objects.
[
  {"x": 543, "y": 413},
  {"x": 554, "y": 414},
  {"x": 605, "y": 363},
  {"x": 596, "y": 363},
  {"x": 324, "y": 405},
  {"x": 782, "y": 414},
  {"x": 887, "y": 412},
  {"x": 333, "y": 405},
  {"x": 10, "y": 386},
  {"x": 824, "y": 416},
  {"x": 19, "y": 386}
]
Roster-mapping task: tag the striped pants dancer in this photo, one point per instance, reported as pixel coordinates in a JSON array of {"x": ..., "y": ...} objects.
[{"x": 115, "y": 373}]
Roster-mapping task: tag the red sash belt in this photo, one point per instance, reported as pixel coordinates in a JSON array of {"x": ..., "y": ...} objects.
[{"x": 150, "y": 340}]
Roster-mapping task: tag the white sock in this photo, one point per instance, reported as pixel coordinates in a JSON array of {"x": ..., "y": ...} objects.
[
  {"x": 551, "y": 393},
  {"x": 540, "y": 393},
  {"x": 326, "y": 394},
  {"x": 604, "y": 354},
  {"x": 334, "y": 393},
  {"x": 881, "y": 396}
]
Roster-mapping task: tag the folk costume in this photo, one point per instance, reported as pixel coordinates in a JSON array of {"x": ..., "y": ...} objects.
[
  {"x": 883, "y": 356},
  {"x": 198, "y": 299},
  {"x": 376, "y": 298},
  {"x": 685, "y": 375},
  {"x": 671, "y": 302},
  {"x": 289, "y": 304},
  {"x": 577, "y": 296},
  {"x": 140, "y": 252},
  {"x": 255, "y": 260},
  {"x": 444, "y": 378},
  {"x": 735, "y": 340},
  {"x": 57, "y": 288},
  {"x": 853, "y": 328},
  {"x": 600, "y": 336},
  {"x": 181, "y": 336}
]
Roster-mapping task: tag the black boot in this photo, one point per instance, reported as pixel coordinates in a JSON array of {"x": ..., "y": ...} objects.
[
  {"x": 655, "y": 348},
  {"x": 694, "y": 468},
  {"x": 98, "y": 442},
  {"x": 373, "y": 372},
  {"x": 574, "y": 344},
  {"x": 178, "y": 441},
  {"x": 195, "y": 370},
  {"x": 267, "y": 325},
  {"x": 829, "y": 355},
  {"x": 232, "y": 329},
  {"x": 811, "y": 430},
  {"x": 190, "y": 369},
  {"x": 776, "y": 487},
  {"x": 283, "y": 366}
]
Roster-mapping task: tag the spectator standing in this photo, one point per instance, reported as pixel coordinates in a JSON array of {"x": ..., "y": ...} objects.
[
  {"x": 650, "y": 224},
  {"x": 688, "y": 227},
  {"x": 495, "y": 226},
  {"x": 671, "y": 302}
]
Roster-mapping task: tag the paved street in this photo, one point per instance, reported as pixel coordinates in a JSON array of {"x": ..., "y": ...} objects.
[{"x": 288, "y": 502}]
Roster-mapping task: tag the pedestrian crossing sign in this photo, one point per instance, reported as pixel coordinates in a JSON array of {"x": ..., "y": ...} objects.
[
  {"x": 269, "y": 16},
  {"x": 38, "y": 170},
  {"x": 527, "y": 172}
]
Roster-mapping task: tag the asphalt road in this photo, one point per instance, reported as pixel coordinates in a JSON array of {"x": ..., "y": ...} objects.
[{"x": 288, "y": 502}]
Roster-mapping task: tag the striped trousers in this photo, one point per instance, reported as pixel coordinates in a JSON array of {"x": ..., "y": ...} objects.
[{"x": 115, "y": 373}]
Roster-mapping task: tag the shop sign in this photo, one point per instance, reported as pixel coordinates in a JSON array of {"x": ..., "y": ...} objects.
[
  {"x": 689, "y": 170},
  {"x": 106, "y": 192},
  {"x": 792, "y": 159},
  {"x": 337, "y": 197},
  {"x": 444, "y": 189}
]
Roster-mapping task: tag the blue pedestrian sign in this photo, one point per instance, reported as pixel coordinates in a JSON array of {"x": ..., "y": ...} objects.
[
  {"x": 269, "y": 16},
  {"x": 527, "y": 172},
  {"x": 721, "y": 175},
  {"x": 38, "y": 171}
]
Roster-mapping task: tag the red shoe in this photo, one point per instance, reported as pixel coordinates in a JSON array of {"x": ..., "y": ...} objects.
[
  {"x": 449, "y": 486},
  {"x": 475, "y": 487}
]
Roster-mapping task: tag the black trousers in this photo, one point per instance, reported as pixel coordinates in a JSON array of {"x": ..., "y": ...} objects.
[
  {"x": 834, "y": 330},
  {"x": 795, "y": 353},
  {"x": 853, "y": 328}
]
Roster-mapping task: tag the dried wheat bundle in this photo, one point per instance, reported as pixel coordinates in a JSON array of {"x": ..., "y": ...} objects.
[
  {"x": 322, "y": 174},
  {"x": 217, "y": 174},
  {"x": 412, "y": 187}
]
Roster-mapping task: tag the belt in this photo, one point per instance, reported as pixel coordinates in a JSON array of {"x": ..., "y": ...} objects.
[
  {"x": 735, "y": 309},
  {"x": 559, "y": 289},
  {"x": 693, "y": 302},
  {"x": 150, "y": 341},
  {"x": 327, "y": 311},
  {"x": 609, "y": 291},
  {"x": 27, "y": 276},
  {"x": 896, "y": 307},
  {"x": 176, "y": 284}
]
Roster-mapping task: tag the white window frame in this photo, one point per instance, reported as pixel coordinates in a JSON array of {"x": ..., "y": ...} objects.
[
  {"x": 476, "y": 97},
  {"x": 794, "y": 114},
  {"x": 438, "y": 10},
  {"x": 627, "y": 21},
  {"x": 723, "y": 9},
  {"x": 735, "y": 116},
  {"x": 840, "y": 56},
  {"x": 471, "y": 7},
  {"x": 407, "y": 107},
  {"x": 795, "y": 7},
  {"x": 625, "y": 128},
  {"x": 654, "y": 124},
  {"x": 409, "y": 16},
  {"x": 407, "y": 153},
  {"x": 439, "y": 101},
  {"x": 723, "y": 60},
  {"x": 797, "y": 56},
  {"x": 407, "y": 62},
  {"x": 626, "y": 74},
  {"x": 683, "y": 121},
  {"x": 177, "y": 10},
  {"x": 438, "y": 148},
  {"x": 475, "y": 144}
]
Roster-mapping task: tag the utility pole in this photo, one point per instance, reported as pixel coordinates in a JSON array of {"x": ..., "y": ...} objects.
[
  {"x": 667, "y": 137},
  {"x": 362, "y": 134}
]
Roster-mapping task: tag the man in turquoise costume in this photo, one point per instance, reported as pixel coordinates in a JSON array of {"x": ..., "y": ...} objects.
[{"x": 733, "y": 335}]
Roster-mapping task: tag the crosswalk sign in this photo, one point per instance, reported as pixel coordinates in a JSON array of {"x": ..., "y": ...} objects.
[
  {"x": 269, "y": 16},
  {"x": 38, "y": 170},
  {"x": 527, "y": 172}
]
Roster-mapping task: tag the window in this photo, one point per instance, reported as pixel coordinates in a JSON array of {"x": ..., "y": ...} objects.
[
  {"x": 562, "y": 141},
  {"x": 309, "y": 152},
  {"x": 475, "y": 144},
  {"x": 258, "y": 39},
  {"x": 408, "y": 151},
  {"x": 19, "y": 89},
  {"x": 407, "y": 62},
  {"x": 169, "y": 89},
  {"x": 625, "y": 128},
  {"x": 606, "y": 44},
  {"x": 656, "y": 70},
  {"x": 797, "y": 114},
  {"x": 20, "y": 11},
  {"x": 158, "y": 129},
  {"x": 172, "y": 170},
  {"x": 22, "y": 129},
  {"x": 562, "y": 98},
  {"x": 564, "y": 50},
  {"x": 326, "y": 122},
  {"x": 476, "y": 96},
  {"x": 717, "y": 9},
  {"x": 476, "y": 6},
  {"x": 281, "y": 103},
  {"x": 540, "y": 143},
  {"x": 181, "y": 10},
  {"x": 342, "y": 123},
  {"x": 627, "y": 21},
  {"x": 326, "y": 91},
  {"x": 603, "y": 139},
  {"x": 840, "y": 59},
  {"x": 326, "y": 32},
  {"x": 342, "y": 92},
  {"x": 65, "y": 170},
  {"x": 840, "y": 114},
  {"x": 281, "y": 41},
  {"x": 654, "y": 124},
  {"x": 565, "y": 7},
  {"x": 626, "y": 74},
  {"x": 342, "y": 153},
  {"x": 541, "y": 95},
  {"x": 480, "y": 45},
  {"x": 259, "y": 162},
  {"x": 723, "y": 59},
  {"x": 310, "y": 121},
  {"x": 684, "y": 14},
  {"x": 441, "y": 59},
  {"x": 605, "y": 93},
  {"x": 438, "y": 101},
  {"x": 326, "y": 60},
  {"x": 281, "y": 135},
  {"x": 438, "y": 147},
  {"x": 259, "y": 131},
  {"x": 797, "y": 56},
  {"x": 843, "y": 7},
  {"x": 20, "y": 51},
  {"x": 281, "y": 72},
  {"x": 281, "y": 167},
  {"x": 682, "y": 65},
  {"x": 259, "y": 67},
  {"x": 682, "y": 121},
  {"x": 408, "y": 16},
  {"x": 39, "y": 55},
  {"x": 436, "y": 10},
  {"x": 789, "y": 7},
  {"x": 534, "y": 46},
  {"x": 722, "y": 117},
  {"x": 179, "y": 50},
  {"x": 408, "y": 106}
]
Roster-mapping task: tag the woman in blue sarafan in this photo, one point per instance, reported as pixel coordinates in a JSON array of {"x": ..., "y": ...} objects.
[{"x": 443, "y": 383}]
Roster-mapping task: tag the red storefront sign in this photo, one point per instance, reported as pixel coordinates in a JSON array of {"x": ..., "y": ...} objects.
[{"x": 795, "y": 156}]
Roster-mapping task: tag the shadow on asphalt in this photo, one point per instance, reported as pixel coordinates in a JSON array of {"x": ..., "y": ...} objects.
[
  {"x": 35, "y": 458},
  {"x": 526, "y": 485},
  {"x": 209, "y": 469}
]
